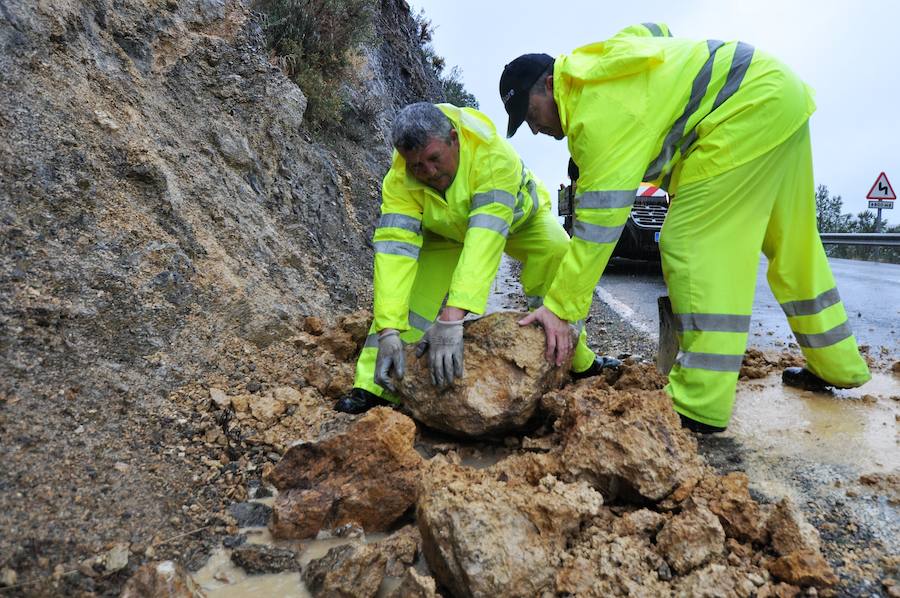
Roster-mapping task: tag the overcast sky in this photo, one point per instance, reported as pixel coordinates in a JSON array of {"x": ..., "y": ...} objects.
[{"x": 847, "y": 51}]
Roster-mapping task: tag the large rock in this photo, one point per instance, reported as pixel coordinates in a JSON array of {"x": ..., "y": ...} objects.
[
  {"x": 790, "y": 531},
  {"x": 505, "y": 375},
  {"x": 804, "y": 568},
  {"x": 626, "y": 444},
  {"x": 484, "y": 537},
  {"x": 364, "y": 475}
]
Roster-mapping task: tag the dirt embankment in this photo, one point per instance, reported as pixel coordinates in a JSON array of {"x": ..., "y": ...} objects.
[{"x": 160, "y": 198}]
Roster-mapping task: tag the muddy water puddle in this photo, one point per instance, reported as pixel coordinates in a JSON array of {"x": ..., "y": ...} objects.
[
  {"x": 855, "y": 427},
  {"x": 221, "y": 578}
]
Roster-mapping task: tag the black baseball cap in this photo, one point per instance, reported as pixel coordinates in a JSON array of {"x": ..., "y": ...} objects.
[{"x": 516, "y": 81}]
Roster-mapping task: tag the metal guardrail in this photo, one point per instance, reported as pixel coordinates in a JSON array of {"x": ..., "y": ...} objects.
[{"x": 875, "y": 239}]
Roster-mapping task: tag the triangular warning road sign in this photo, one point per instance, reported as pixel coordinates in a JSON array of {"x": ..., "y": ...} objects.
[{"x": 881, "y": 189}]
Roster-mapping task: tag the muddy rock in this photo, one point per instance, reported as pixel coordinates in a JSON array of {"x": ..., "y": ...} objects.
[
  {"x": 728, "y": 497},
  {"x": 691, "y": 539},
  {"x": 716, "y": 580},
  {"x": 348, "y": 571},
  {"x": 486, "y": 537},
  {"x": 414, "y": 585},
  {"x": 505, "y": 375},
  {"x": 364, "y": 475},
  {"x": 626, "y": 444},
  {"x": 164, "y": 579},
  {"x": 600, "y": 563},
  {"x": 260, "y": 558},
  {"x": 804, "y": 568},
  {"x": 356, "y": 324},
  {"x": 777, "y": 590},
  {"x": 401, "y": 549},
  {"x": 642, "y": 522},
  {"x": 790, "y": 530}
]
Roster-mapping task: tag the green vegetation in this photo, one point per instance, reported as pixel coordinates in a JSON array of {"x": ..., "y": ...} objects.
[
  {"x": 451, "y": 81},
  {"x": 312, "y": 40},
  {"x": 830, "y": 219}
]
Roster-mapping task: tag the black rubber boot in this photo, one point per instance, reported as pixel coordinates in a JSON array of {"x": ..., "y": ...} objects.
[
  {"x": 359, "y": 401},
  {"x": 600, "y": 364},
  {"x": 803, "y": 378},
  {"x": 699, "y": 427}
]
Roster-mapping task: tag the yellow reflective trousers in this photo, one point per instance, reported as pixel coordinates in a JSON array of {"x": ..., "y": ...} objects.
[
  {"x": 710, "y": 246},
  {"x": 539, "y": 245}
]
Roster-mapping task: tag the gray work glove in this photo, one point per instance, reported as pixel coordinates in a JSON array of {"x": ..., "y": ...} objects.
[
  {"x": 444, "y": 343},
  {"x": 390, "y": 356}
]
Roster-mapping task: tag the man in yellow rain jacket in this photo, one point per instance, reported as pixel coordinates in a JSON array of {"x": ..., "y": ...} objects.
[
  {"x": 457, "y": 195},
  {"x": 723, "y": 127}
]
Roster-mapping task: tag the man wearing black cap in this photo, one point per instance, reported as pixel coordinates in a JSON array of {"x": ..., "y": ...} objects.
[{"x": 723, "y": 128}]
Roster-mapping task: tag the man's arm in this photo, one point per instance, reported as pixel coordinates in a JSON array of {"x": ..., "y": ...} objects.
[{"x": 490, "y": 216}]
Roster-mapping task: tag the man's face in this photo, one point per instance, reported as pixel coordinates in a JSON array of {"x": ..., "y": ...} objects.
[
  {"x": 543, "y": 114},
  {"x": 435, "y": 163}
]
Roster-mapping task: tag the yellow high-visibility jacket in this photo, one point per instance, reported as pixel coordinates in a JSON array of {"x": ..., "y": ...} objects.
[
  {"x": 634, "y": 106},
  {"x": 492, "y": 195}
]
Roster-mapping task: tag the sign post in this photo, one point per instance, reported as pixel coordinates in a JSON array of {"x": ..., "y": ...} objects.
[{"x": 882, "y": 197}]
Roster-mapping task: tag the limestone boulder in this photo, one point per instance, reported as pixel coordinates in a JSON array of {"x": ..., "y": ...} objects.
[
  {"x": 364, "y": 474},
  {"x": 506, "y": 374},
  {"x": 626, "y": 444},
  {"x": 483, "y": 536}
]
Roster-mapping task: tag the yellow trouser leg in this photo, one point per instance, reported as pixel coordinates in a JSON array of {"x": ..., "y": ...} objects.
[
  {"x": 437, "y": 260},
  {"x": 801, "y": 278},
  {"x": 540, "y": 245},
  {"x": 710, "y": 246}
]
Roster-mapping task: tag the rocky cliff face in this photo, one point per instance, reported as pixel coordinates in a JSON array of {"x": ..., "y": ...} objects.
[{"x": 160, "y": 194}]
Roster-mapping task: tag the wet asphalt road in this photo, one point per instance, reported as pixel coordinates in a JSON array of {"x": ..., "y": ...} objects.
[{"x": 870, "y": 291}]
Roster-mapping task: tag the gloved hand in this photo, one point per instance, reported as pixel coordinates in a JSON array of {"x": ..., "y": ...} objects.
[
  {"x": 444, "y": 343},
  {"x": 390, "y": 356}
]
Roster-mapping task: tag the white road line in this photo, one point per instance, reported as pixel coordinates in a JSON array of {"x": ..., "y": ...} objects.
[{"x": 625, "y": 312}]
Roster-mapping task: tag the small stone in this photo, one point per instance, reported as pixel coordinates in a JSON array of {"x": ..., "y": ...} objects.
[
  {"x": 8, "y": 577},
  {"x": 260, "y": 558},
  {"x": 234, "y": 541},
  {"x": 219, "y": 398},
  {"x": 253, "y": 386},
  {"x": 250, "y": 514}
]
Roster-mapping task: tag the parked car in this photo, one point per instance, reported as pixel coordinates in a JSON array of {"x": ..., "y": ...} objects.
[{"x": 640, "y": 238}]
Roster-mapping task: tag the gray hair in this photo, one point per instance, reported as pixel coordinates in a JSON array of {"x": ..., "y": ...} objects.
[
  {"x": 417, "y": 123},
  {"x": 539, "y": 86}
]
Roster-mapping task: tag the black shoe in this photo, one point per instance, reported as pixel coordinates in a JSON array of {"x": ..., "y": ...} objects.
[
  {"x": 803, "y": 378},
  {"x": 600, "y": 364},
  {"x": 699, "y": 427},
  {"x": 359, "y": 401}
]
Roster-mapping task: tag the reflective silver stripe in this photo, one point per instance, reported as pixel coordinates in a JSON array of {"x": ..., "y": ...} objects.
[
  {"x": 713, "y": 322},
  {"x": 825, "y": 339},
  {"x": 371, "y": 341},
  {"x": 715, "y": 362},
  {"x": 698, "y": 90},
  {"x": 418, "y": 322},
  {"x": 397, "y": 248},
  {"x": 596, "y": 233},
  {"x": 534, "y": 301},
  {"x": 532, "y": 190},
  {"x": 496, "y": 196},
  {"x": 490, "y": 222},
  {"x": 654, "y": 29},
  {"x": 740, "y": 62},
  {"x": 578, "y": 325},
  {"x": 598, "y": 200},
  {"x": 401, "y": 221},
  {"x": 809, "y": 307}
]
